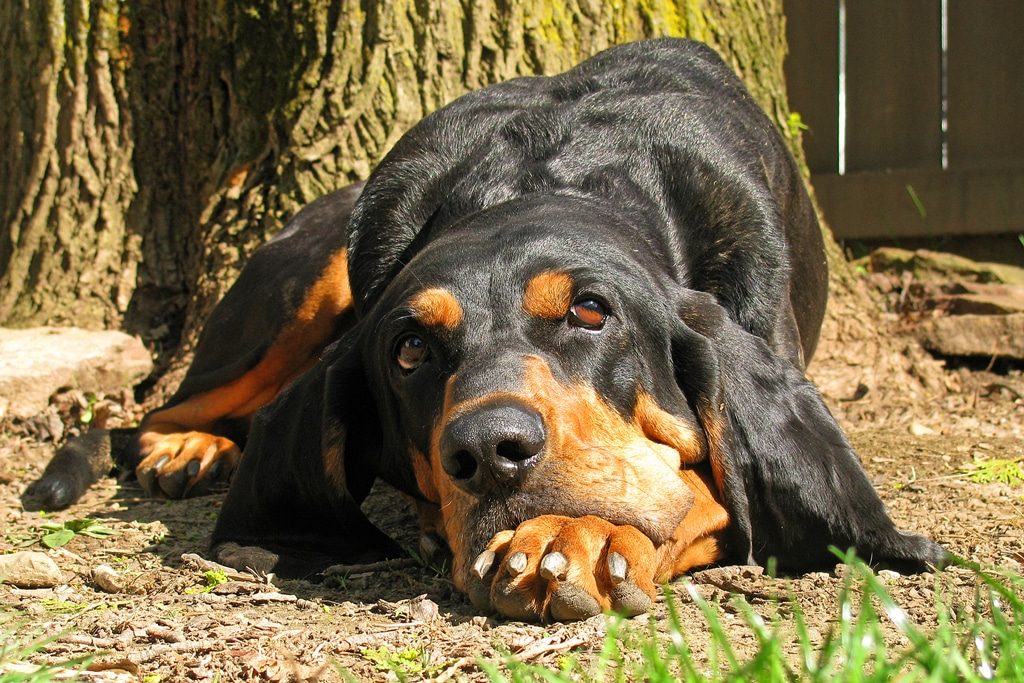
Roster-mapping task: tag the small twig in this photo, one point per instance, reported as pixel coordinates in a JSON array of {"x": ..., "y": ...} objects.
[
  {"x": 936, "y": 477},
  {"x": 457, "y": 665},
  {"x": 102, "y": 643},
  {"x": 273, "y": 597},
  {"x": 1001, "y": 385},
  {"x": 552, "y": 643},
  {"x": 119, "y": 551},
  {"x": 155, "y": 651},
  {"x": 202, "y": 564},
  {"x": 535, "y": 652},
  {"x": 369, "y": 567}
]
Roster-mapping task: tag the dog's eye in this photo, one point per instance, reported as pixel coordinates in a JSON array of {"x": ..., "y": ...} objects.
[
  {"x": 411, "y": 352},
  {"x": 588, "y": 313}
]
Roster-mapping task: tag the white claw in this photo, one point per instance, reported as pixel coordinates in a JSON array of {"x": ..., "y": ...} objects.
[
  {"x": 483, "y": 562},
  {"x": 617, "y": 567},
  {"x": 517, "y": 563},
  {"x": 553, "y": 566}
]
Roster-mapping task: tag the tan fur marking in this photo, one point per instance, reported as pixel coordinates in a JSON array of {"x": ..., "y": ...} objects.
[
  {"x": 664, "y": 428},
  {"x": 714, "y": 425},
  {"x": 437, "y": 307},
  {"x": 456, "y": 505},
  {"x": 548, "y": 295},
  {"x": 334, "y": 466},
  {"x": 695, "y": 542},
  {"x": 424, "y": 476},
  {"x": 430, "y": 521},
  {"x": 293, "y": 352},
  {"x": 700, "y": 553}
]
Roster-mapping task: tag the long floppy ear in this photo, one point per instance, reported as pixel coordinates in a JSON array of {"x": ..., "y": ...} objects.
[
  {"x": 792, "y": 483},
  {"x": 293, "y": 505}
]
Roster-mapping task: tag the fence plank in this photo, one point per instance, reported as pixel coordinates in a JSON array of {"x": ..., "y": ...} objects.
[
  {"x": 880, "y": 205},
  {"x": 812, "y": 69},
  {"x": 893, "y": 97},
  {"x": 986, "y": 83}
]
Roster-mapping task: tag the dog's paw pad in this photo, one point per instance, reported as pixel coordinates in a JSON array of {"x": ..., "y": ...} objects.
[
  {"x": 51, "y": 493},
  {"x": 245, "y": 557}
]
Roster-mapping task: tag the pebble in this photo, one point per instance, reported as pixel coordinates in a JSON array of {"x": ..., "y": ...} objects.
[
  {"x": 423, "y": 609},
  {"x": 107, "y": 579},
  {"x": 918, "y": 429},
  {"x": 29, "y": 569}
]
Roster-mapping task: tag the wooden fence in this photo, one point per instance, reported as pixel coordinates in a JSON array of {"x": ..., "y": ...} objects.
[{"x": 915, "y": 113}]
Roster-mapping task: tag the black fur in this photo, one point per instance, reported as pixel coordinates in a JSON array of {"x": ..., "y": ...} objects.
[{"x": 794, "y": 485}]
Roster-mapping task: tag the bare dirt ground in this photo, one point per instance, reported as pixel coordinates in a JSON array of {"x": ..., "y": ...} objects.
[{"x": 919, "y": 426}]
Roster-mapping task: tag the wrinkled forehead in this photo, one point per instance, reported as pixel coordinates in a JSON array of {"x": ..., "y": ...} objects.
[{"x": 531, "y": 259}]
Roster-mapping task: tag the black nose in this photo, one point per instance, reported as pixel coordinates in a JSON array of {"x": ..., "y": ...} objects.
[{"x": 489, "y": 450}]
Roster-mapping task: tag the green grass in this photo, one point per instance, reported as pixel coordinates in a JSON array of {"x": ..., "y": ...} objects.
[
  {"x": 14, "y": 661},
  {"x": 212, "y": 579},
  {"x": 984, "y": 643},
  {"x": 989, "y": 470},
  {"x": 57, "y": 534}
]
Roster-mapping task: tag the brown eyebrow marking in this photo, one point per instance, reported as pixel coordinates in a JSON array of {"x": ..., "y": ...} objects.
[
  {"x": 437, "y": 307},
  {"x": 548, "y": 295}
]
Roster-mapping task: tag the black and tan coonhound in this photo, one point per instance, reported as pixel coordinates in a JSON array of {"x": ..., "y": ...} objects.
[{"x": 569, "y": 316}]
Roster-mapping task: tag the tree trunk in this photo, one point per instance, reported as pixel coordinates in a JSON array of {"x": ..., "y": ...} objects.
[
  {"x": 66, "y": 253},
  {"x": 155, "y": 144}
]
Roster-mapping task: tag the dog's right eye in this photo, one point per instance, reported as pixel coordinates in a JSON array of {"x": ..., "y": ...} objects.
[
  {"x": 411, "y": 352},
  {"x": 588, "y": 313}
]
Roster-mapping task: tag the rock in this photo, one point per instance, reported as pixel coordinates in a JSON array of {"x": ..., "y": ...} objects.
[
  {"x": 107, "y": 579},
  {"x": 29, "y": 569},
  {"x": 975, "y": 335},
  {"x": 987, "y": 300},
  {"x": 966, "y": 298},
  {"x": 36, "y": 362},
  {"x": 932, "y": 266},
  {"x": 918, "y": 429},
  {"x": 888, "y": 575},
  {"x": 423, "y": 609}
]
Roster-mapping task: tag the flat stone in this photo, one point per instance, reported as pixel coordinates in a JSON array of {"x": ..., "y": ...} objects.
[
  {"x": 29, "y": 569},
  {"x": 936, "y": 266},
  {"x": 36, "y": 362},
  {"x": 975, "y": 335},
  {"x": 966, "y": 298}
]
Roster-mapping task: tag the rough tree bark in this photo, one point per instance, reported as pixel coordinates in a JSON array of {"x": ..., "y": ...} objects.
[
  {"x": 155, "y": 144},
  {"x": 66, "y": 252}
]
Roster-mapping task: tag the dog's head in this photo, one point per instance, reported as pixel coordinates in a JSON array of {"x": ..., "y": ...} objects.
[{"x": 522, "y": 365}]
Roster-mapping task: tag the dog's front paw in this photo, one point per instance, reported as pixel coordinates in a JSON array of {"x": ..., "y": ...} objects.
[
  {"x": 562, "y": 568},
  {"x": 181, "y": 464}
]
